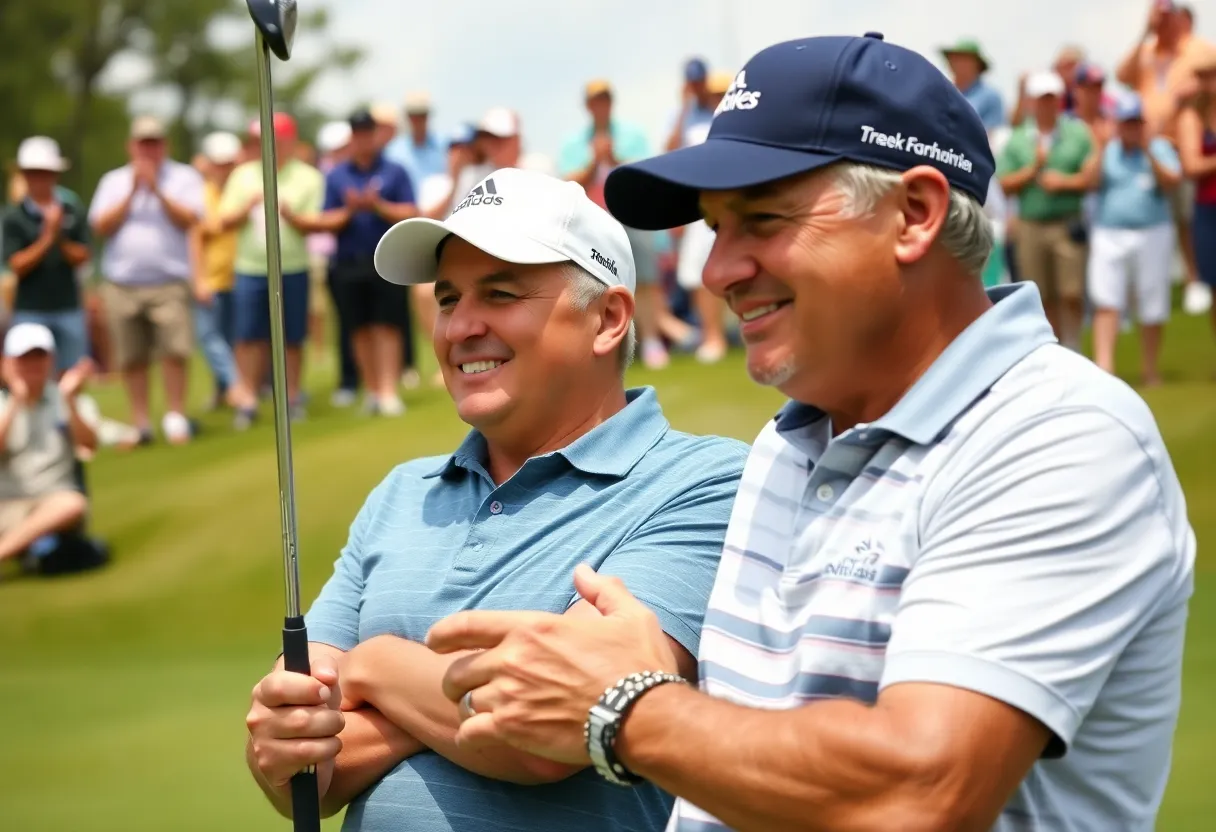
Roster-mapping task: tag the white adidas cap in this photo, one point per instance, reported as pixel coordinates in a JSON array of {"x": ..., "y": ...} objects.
[{"x": 519, "y": 216}]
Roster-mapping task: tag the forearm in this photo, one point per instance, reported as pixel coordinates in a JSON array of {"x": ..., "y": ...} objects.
[
  {"x": 83, "y": 436},
  {"x": 26, "y": 260},
  {"x": 404, "y": 683},
  {"x": 110, "y": 219},
  {"x": 585, "y": 176},
  {"x": 1167, "y": 179},
  {"x": 73, "y": 252},
  {"x": 1012, "y": 183},
  {"x": 1128, "y": 71},
  {"x": 371, "y": 746},
  {"x": 179, "y": 214},
  {"x": 327, "y": 222},
  {"x": 833, "y": 765},
  {"x": 396, "y": 211}
]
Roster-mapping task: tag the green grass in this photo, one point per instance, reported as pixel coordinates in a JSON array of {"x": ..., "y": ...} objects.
[{"x": 122, "y": 693}]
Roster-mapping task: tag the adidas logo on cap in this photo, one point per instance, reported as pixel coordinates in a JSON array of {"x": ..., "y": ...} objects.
[{"x": 484, "y": 194}]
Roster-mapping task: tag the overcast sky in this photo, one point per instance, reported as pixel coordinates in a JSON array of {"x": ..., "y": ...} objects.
[{"x": 534, "y": 55}]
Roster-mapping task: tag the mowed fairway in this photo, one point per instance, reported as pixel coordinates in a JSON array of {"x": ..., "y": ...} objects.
[{"x": 122, "y": 693}]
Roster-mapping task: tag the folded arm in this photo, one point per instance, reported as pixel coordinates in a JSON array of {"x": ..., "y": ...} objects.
[
  {"x": 371, "y": 746},
  {"x": 403, "y": 680}
]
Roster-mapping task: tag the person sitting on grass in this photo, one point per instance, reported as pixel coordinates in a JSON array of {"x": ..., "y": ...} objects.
[
  {"x": 534, "y": 285},
  {"x": 42, "y": 426}
]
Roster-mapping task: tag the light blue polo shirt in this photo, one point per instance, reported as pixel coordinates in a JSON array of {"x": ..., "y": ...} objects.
[
  {"x": 633, "y": 498},
  {"x": 987, "y": 103},
  {"x": 1013, "y": 527},
  {"x": 1129, "y": 196}
]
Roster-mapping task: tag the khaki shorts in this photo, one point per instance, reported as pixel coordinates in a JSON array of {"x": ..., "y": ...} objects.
[
  {"x": 144, "y": 319},
  {"x": 1182, "y": 202},
  {"x": 1051, "y": 259}
]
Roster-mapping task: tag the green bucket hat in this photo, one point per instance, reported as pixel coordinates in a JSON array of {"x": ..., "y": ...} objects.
[{"x": 967, "y": 46}]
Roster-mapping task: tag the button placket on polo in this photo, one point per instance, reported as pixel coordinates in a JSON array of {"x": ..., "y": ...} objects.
[{"x": 479, "y": 541}]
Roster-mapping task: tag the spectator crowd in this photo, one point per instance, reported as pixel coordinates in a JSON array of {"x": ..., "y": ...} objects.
[{"x": 1100, "y": 192}]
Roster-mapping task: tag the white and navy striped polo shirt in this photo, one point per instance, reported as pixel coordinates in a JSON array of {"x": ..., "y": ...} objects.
[{"x": 1013, "y": 526}]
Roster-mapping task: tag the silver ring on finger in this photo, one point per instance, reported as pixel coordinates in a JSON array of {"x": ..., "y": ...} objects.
[{"x": 466, "y": 705}]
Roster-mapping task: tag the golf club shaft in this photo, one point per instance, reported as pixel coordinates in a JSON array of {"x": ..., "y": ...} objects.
[{"x": 306, "y": 814}]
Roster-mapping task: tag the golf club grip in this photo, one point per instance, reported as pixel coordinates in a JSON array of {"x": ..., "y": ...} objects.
[{"x": 305, "y": 803}]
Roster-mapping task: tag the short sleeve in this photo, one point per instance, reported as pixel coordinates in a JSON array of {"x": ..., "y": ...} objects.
[
  {"x": 574, "y": 156},
  {"x": 333, "y": 192},
  {"x": 1041, "y": 557},
  {"x": 333, "y": 618},
  {"x": 402, "y": 192},
  {"x": 992, "y": 111},
  {"x": 670, "y": 563},
  {"x": 1009, "y": 161},
  {"x": 1166, "y": 155},
  {"x": 79, "y": 231},
  {"x": 188, "y": 188},
  {"x": 314, "y": 196},
  {"x": 236, "y": 191},
  {"x": 105, "y": 197},
  {"x": 12, "y": 234}
]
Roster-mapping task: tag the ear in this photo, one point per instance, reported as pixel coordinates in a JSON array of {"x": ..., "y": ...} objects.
[
  {"x": 616, "y": 311},
  {"x": 924, "y": 203}
]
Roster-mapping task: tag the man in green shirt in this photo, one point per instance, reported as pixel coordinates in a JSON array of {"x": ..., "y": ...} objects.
[
  {"x": 301, "y": 192},
  {"x": 1049, "y": 162}
]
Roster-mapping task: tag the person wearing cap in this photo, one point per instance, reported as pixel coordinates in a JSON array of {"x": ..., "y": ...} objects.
[
  {"x": 968, "y": 63},
  {"x": 420, "y": 150},
  {"x": 953, "y": 592},
  {"x": 145, "y": 212},
  {"x": 1197, "y": 150},
  {"x": 563, "y": 464},
  {"x": 46, "y": 242},
  {"x": 499, "y": 144},
  {"x": 214, "y": 315},
  {"x": 1133, "y": 237},
  {"x": 43, "y": 424},
  {"x": 333, "y": 145},
  {"x": 1159, "y": 68},
  {"x": 1049, "y": 163},
  {"x": 694, "y": 241},
  {"x": 301, "y": 192},
  {"x": 364, "y": 197},
  {"x": 587, "y": 156},
  {"x": 385, "y": 118},
  {"x": 697, "y": 104}
]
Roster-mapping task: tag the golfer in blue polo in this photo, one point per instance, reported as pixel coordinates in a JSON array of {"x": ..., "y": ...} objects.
[
  {"x": 953, "y": 593},
  {"x": 564, "y": 465}
]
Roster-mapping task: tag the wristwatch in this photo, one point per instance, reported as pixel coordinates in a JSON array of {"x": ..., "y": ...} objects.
[{"x": 605, "y": 719}]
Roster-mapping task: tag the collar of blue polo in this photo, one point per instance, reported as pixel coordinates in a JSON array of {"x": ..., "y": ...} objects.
[
  {"x": 610, "y": 449},
  {"x": 1013, "y": 328}
]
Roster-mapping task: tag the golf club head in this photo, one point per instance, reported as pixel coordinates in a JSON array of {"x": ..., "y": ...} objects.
[{"x": 276, "y": 20}]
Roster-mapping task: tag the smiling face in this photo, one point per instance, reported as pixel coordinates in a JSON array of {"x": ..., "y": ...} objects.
[
  {"x": 517, "y": 354},
  {"x": 819, "y": 291}
]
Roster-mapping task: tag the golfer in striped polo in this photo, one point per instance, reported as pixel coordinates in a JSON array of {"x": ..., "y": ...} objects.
[{"x": 954, "y": 586}]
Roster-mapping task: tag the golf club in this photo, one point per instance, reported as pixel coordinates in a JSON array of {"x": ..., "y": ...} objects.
[{"x": 275, "y": 21}]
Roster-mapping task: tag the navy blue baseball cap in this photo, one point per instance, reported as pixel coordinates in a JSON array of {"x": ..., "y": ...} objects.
[{"x": 803, "y": 104}]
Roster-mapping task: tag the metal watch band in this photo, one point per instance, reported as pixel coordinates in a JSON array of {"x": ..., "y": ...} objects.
[{"x": 605, "y": 718}]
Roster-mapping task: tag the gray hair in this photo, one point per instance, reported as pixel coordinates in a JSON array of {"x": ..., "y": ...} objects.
[
  {"x": 586, "y": 289},
  {"x": 967, "y": 233}
]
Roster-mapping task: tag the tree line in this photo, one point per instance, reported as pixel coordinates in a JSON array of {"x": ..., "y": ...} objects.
[{"x": 57, "y": 62}]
